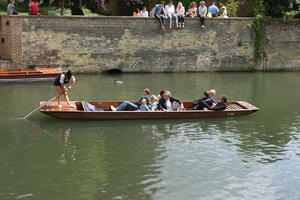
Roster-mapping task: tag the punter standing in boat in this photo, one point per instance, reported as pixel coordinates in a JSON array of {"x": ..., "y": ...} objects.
[{"x": 60, "y": 85}]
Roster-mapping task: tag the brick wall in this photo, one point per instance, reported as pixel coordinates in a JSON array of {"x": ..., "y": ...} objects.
[
  {"x": 10, "y": 44},
  {"x": 90, "y": 44}
]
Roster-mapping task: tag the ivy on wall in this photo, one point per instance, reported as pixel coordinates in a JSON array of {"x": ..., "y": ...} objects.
[
  {"x": 257, "y": 27},
  {"x": 257, "y": 9}
]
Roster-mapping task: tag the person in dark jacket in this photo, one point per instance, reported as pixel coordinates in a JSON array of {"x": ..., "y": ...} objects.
[
  {"x": 60, "y": 85},
  {"x": 221, "y": 105},
  {"x": 198, "y": 102},
  {"x": 207, "y": 101},
  {"x": 126, "y": 105},
  {"x": 169, "y": 103}
]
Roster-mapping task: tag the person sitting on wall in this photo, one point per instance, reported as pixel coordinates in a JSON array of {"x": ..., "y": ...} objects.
[
  {"x": 136, "y": 13},
  {"x": 152, "y": 13},
  {"x": 11, "y": 8},
  {"x": 34, "y": 7},
  {"x": 169, "y": 103},
  {"x": 126, "y": 105},
  {"x": 170, "y": 11},
  {"x": 221, "y": 105},
  {"x": 180, "y": 11},
  {"x": 192, "y": 11},
  {"x": 60, "y": 86},
  {"x": 224, "y": 12},
  {"x": 160, "y": 14},
  {"x": 144, "y": 12},
  {"x": 213, "y": 9},
  {"x": 202, "y": 13}
]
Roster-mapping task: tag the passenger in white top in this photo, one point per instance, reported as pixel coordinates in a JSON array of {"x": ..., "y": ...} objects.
[
  {"x": 170, "y": 11},
  {"x": 144, "y": 12},
  {"x": 180, "y": 11}
]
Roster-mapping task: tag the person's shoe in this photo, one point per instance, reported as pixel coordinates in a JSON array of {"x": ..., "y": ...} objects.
[
  {"x": 177, "y": 26},
  {"x": 113, "y": 108},
  {"x": 59, "y": 106},
  {"x": 202, "y": 26},
  {"x": 170, "y": 26},
  {"x": 163, "y": 28},
  {"x": 182, "y": 25}
]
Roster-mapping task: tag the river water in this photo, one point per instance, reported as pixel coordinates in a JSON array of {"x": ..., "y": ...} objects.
[{"x": 250, "y": 157}]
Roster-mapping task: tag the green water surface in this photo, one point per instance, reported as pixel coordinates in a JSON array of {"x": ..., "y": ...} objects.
[{"x": 250, "y": 157}]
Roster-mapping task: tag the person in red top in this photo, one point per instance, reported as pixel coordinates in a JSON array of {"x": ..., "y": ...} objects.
[{"x": 33, "y": 7}]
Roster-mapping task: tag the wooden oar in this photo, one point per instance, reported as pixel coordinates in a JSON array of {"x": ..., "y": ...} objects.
[{"x": 41, "y": 106}]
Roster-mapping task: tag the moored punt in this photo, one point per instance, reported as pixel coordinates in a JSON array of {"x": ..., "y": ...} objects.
[
  {"x": 29, "y": 74},
  {"x": 82, "y": 110}
]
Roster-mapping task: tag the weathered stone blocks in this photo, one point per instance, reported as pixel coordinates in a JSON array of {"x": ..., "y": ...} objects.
[{"x": 89, "y": 44}]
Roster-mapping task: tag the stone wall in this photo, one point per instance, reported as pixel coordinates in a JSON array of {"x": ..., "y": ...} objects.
[
  {"x": 282, "y": 45},
  {"x": 90, "y": 44}
]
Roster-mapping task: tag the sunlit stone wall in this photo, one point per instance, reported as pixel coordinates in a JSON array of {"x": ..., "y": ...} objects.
[
  {"x": 96, "y": 44},
  {"x": 136, "y": 44}
]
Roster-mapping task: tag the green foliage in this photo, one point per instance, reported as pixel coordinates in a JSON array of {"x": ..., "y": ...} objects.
[
  {"x": 277, "y": 8},
  {"x": 54, "y": 11},
  {"x": 257, "y": 7},
  {"x": 256, "y": 26},
  {"x": 3, "y": 4},
  {"x": 232, "y": 7},
  {"x": 290, "y": 15}
]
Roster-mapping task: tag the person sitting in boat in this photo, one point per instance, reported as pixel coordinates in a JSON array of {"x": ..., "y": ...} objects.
[
  {"x": 152, "y": 106},
  {"x": 197, "y": 102},
  {"x": 60, "y": 85},
  {"x": 212, "y": 97},
  {"x": 126, "y": 105},
  {"x": 207, "y": 101},
  {"x": 169, "y": 103},
  {"x": 221, "y": 105}
]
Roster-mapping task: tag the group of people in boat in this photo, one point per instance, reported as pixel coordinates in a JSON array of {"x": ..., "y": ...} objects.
[
  {"x": 162, "y": 102},
  {"x": 166, "y": 102}
]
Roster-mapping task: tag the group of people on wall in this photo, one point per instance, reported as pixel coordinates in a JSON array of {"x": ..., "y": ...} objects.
[
  {"x": 162, "y": 12},
  {"x": 33, "y": 7}
]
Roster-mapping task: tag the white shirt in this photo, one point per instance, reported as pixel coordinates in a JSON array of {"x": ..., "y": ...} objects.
[
  {"x": 62, "y": 79},
  {"x": 144, "y": 13},
  {"x": 170, "y": 9},
  {"x": 169, "y": 105}
]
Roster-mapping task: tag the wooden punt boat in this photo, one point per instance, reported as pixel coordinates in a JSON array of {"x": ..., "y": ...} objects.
[
  {"x": 29, "y": 74},
  {"x": 82, "y": 111}
]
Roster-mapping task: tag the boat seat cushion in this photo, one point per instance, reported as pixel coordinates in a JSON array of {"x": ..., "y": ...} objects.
[{"x": 90, "y": 107}]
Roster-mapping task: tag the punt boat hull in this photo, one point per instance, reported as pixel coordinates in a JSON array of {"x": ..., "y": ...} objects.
[
  {"x": 29, "y": 74},
  {"x": 81, "y": 112}
]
